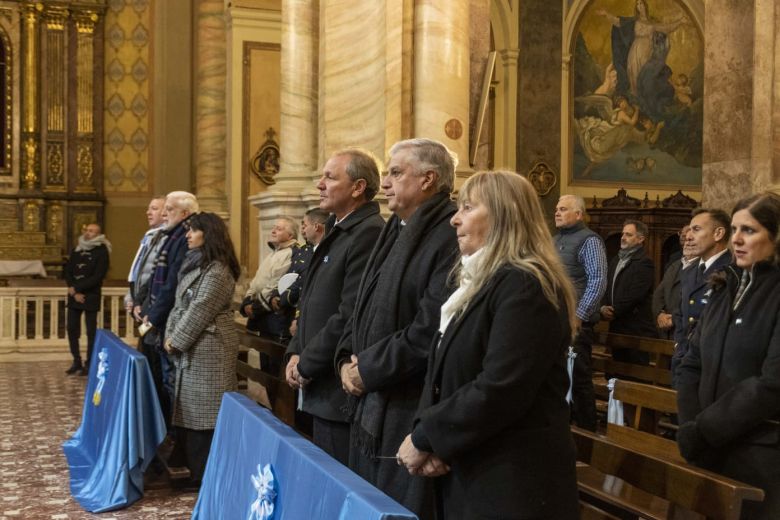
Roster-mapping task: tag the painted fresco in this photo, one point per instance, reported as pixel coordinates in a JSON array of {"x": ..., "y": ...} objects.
[{"x": 638, "y": 86}]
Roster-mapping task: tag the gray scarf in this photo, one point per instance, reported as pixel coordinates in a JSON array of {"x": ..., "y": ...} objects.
[{"x": 88, "y": 245}]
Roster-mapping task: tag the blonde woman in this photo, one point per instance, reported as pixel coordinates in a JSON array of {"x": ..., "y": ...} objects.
[{"x": 493, "y": 423}]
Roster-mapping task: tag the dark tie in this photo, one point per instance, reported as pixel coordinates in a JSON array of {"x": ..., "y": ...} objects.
[
  {"x": 700, "y": 273},
  {"x": 744, "y": 282}
]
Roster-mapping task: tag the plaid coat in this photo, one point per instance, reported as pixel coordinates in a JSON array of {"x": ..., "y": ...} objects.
[{"x": 206, "y": 345}]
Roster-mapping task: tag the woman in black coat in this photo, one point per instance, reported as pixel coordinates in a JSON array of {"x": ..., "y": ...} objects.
[
  {"x": 728, "y": 390},
  {"x": 493, "y": 423}
]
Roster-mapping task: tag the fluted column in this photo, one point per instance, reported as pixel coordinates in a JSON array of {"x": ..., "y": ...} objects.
[
  {"x": 210, "y": 117},
  {"x": 441, "y": 74},
  {"x": 30, "y": 126},
  {"x": 298, "y": 97}
]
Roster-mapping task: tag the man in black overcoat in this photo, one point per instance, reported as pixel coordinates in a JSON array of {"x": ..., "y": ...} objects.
[
  {"x": 628, "y": 298},
  {"x": 84, "y": 273},
  {"x": 383, "y": 355},
  {"x": 349, "y": 181}
]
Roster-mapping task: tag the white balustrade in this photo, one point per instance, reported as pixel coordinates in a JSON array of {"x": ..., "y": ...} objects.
[{"x": 45, "y": 307}]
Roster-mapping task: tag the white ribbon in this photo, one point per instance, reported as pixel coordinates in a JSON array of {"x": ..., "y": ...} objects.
[
  {"x": 615, "y": 407},
  {"x": 570, "y": 369},
  {"x": 263, "y": 506}
]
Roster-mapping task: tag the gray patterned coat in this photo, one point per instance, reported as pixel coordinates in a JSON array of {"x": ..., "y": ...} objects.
[{"x": 200, "y": 327}]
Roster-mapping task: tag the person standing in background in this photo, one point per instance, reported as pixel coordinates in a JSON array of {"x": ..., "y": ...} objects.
[{"x": 84, "y": 273}]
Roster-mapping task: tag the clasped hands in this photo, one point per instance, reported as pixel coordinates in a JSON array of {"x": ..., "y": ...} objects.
[
  {"x": 294, "y": 378},
  {"x": 420, "y": 463},
  {"x": 351, "y": 381},
  {"x": 607, "y": 312},
  {"x": 79, "y": 297}
]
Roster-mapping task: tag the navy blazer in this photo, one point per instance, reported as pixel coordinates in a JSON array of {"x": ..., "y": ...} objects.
[{"x": 693, "y": 299}]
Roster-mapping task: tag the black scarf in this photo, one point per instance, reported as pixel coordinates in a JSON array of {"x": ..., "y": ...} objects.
[{"x": 376, "y": 310}]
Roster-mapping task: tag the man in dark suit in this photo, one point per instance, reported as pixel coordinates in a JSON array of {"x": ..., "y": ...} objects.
[
  {"x": 627, "y": 300},
  {"x": 383, "y": 354},
  {"x": 707, "y": 238},
  {"x": 666, "y": 297},
  {"x": 349, "y": 181}
]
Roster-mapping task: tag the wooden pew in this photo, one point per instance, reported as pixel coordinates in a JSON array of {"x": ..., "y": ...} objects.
[
  {"x": 656, "y": 373},
  {"x": 644, "y": 407},
  {"x": 630, "y": 484},
  {"x": 270, "y": 375}
]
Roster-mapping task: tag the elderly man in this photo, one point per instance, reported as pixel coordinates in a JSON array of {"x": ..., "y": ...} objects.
[
  {"x": 161, "y": 292},
  {"x": 584, "y": 257},
  {"x": 312, "y": 230},
  {"x": 383, "y": 355},
  {"x": 628, "y": 299},
  {"x": 257, "y": 305},
  {"x": 666, "y": 297},
  {"x": 349, "y": 181},
  {"x": 141, "y": 268},
  {"x": 87, "y": 266},
  {"x": 707, "y": 238}
]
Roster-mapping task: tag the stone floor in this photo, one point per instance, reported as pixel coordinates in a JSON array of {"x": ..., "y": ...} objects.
[{"x": 40, "y": 407}]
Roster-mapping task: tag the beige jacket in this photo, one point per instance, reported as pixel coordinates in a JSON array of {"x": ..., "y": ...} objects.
[{"x": 267, "y": 277}]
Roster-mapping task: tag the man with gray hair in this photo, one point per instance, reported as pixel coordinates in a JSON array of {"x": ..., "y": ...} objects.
[
  {"x": 349, "y": 181},
  {"x": 383, "y": 355},
  {"x": 584, "y": 257},
  {"x": 257, "y": 306},
  {"x": 161, "y": 293},
  {"x": 627, "y": 303}
]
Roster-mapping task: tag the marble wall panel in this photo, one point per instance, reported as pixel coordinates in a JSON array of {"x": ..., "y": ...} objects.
[
  {"x": 539, "y": 92},
  {"x": 352, "y": 76}
]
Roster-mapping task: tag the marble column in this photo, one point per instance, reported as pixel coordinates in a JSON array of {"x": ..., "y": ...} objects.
[
  {"x": 441, "y": 75},
  {"x": 295, "y": 190},
  {"x": 740, "y": 122},
  {"x": 298, "y": 95},
  {"x": 210, "y": 117}
]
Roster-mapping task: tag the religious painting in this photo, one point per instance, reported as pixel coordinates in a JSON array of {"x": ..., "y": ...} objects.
[{"x": 638, "y": 82}]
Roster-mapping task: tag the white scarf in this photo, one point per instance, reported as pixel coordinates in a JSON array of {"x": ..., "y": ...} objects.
[
  {"x": 87, "y": 245},
  {"x": 468, "y": 264}
]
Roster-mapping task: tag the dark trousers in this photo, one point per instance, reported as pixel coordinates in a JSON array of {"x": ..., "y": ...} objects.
[
  {"x": 191, "y": 450},
  {"x": 332, "y": 437},
  {"x": 74, "y": 331},
  {"x": 583, "y": 407},
  {"x": 149, "y": 346}
]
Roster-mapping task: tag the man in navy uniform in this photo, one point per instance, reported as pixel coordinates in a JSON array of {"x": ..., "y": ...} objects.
[{"x": 708, "y": 238}]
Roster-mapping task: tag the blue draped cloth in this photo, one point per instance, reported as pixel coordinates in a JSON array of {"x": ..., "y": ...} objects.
[
  {"x": 307, "y": 482},
  {"x": 121, "y": 428}
]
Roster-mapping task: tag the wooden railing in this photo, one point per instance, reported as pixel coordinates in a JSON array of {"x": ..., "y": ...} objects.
[{"x": 32, "y": 319}]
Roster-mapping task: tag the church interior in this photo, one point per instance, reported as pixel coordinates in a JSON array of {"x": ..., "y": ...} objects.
[{"x": 109, "y": 103}]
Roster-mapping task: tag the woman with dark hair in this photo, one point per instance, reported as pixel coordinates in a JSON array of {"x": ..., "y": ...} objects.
[
  {"x": 493, "y": 422},
  {"x": 728, "y": 390},
  {"x": 202, "y": 340}
]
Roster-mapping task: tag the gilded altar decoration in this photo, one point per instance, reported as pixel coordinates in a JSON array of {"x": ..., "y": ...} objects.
[
  {"x": 84, "y": 166},
  {"x": 31, "y": 217},
  {"x": 54, "y": 223},
  {"x": 55, "y": 163},
  {"x": 265, "y": 162},
  {"x": 542, "y": 178},
  {"x": 55, "y": 69},
  {"x": 30, "y": 79},
  {"x": 30, "y": 155},
  {"x": 6, "y": 85}
]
